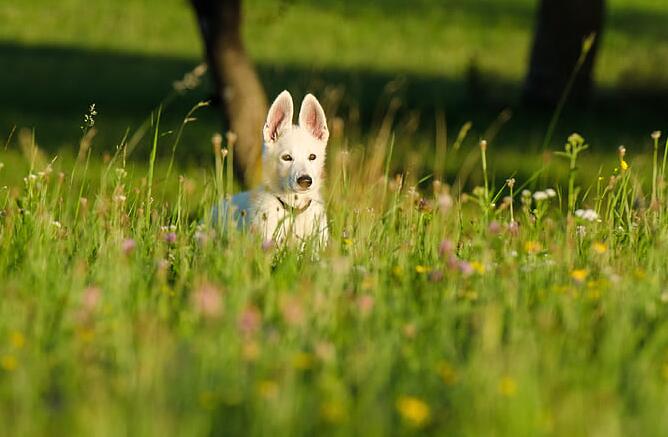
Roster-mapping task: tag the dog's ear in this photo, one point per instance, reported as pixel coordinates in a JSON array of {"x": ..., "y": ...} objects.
[
  {"x": 312, "y": 118},
  {"x": 279, "y": 117}
]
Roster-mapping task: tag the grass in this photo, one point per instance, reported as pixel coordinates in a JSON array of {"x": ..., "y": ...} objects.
[
  {"x": 440, "y": 306},
  {"x": 431, "y": 310}
]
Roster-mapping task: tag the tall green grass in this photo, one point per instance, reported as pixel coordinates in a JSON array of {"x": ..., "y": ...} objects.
[{"x": 433, "y": 309}]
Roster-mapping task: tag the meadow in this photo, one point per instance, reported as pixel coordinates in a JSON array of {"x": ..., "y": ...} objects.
[{"x": 469, "y": 288}]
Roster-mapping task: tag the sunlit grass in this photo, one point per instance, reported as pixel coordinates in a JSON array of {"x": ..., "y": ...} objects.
[{"x": 433, "y": 308}]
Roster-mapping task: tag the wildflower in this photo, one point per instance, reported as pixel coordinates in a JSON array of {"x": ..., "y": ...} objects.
[
  {"x": 293, "y": 312},
  {"x": 201, "y": 237},
  {"x": 656, "y": 135},
  {"x": 410, "y": 330},
  {"x": 510, "y": 182},
  {"x": 550, "y": 192},
  {"x": 207, "y": 301},
  {"x": 268, "y": 389},
  {"x": 8, "y": 363},
  {"x": 599, "y": 248},
  {"x": 587, "y": 214},
  {"x": 446, "y": 247},
  {"x": 250, "y": 320},
  {"x": 444, "y": 201},
  {"x": 17, "y": 340},
  {"x": 514, "y": 228},
  {"x": 250, "y": 351},
  {"x": 507, "y": 386},
  {"x": 333, "y": 412},
  {"x": 365, "y": 304},
  {"x": 532, "y": 247},
  {"x": 302, "y": 361},
  {"x": 436, "y": 275},
  {"x": 91, "y": 299},
  {"x": 56, "y": 224},
  {"x": 325, "y": 351},
  {"x": 580, "y": 231},
  {"x": 540, "y": 195},
  {"x": 447, "y": 372},
  {"x": 526, "y": 193},
  {"x": 128, "y": 246},
  {"x": 413, "y": 410},
  {"x": 421, "y": 269},
  {"x": 579, "y": 275},
  {"x": 622, "y": 152},
  {"x": 466, "y": 268},
  {"x": 478, "y": 267},
  {"x": 170, "y": 237},
  {"x": 494, "y": 228}
]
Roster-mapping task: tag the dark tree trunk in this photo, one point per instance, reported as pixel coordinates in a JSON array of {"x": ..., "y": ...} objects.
[
  {"x": 238, "y": 88},
  {"x": 561, "y": 27}
]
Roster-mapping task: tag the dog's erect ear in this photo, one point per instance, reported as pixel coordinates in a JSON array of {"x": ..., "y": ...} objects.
[
  {"x": 312, "y": 118},
  {"x": 279, "y": 117}
]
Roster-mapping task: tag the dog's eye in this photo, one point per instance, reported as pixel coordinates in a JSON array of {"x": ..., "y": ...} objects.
[
  {"x": 311, "y": 157},
  {"x": 286, "y": 157}
]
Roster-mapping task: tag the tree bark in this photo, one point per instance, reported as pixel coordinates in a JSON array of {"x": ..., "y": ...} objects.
[
  {"x": 238, "y": 88},
  {"x": 561, "y": 27}
]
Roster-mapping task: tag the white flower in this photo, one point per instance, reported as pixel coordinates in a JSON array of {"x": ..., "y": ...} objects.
[
  {"x": 587, "y": 214},
  {"x": 540, "y": 195},
  {"x": 526, "y": 193},
  {"x": 56, "y": 224},
  {"x": 550, "y": 192},
  {"x": 445, "y": 201}
]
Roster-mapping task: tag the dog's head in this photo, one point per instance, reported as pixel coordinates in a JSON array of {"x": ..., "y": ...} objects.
[{"x": 294, "y": 156}]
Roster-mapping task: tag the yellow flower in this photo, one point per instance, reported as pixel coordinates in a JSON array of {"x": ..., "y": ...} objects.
[
  {"x": 250, "y": 351},
  {"x": 347, "y": 242},
  {"x": 599, "y": 247},
  {"x": 579, "y": 275},
  {"x": 333, "y": 412},
  {"x": 421, "y": 269},
  {"x": 478, "y": 267},
  {"x": 415, "y": 411},
  {"x": 507, "y": 386},
  {"x": 267, "y": 389},
  {"x": 624, "y": 165},
  {"x": 532, "y": 247},
  {"x": 447, "y": 372},
  {"x": 398, "y": 271},
  {"x": 302, "y": 361},
  {"x": 9, "y": 362},
  {"x": 17, "y": 340}
]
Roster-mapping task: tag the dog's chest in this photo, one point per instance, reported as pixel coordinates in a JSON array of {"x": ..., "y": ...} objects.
[{"x": 277, "y": 221}]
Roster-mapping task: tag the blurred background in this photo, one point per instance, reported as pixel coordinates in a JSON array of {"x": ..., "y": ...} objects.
[{"x": 412, "y": 71}]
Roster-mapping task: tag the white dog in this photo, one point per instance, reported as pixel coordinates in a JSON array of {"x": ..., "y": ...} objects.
[{"x": 288, "y": 205}]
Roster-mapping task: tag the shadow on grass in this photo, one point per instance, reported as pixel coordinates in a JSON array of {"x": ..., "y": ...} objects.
[{"x": 49, "y": 88}]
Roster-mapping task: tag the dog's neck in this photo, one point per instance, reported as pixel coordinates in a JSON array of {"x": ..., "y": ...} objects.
[{"x": 295, "y": 201}]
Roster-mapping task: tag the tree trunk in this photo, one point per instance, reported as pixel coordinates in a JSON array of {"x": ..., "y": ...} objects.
[
  {"x": 238, "y": 88},
  {"x": 561, "y": 27}
]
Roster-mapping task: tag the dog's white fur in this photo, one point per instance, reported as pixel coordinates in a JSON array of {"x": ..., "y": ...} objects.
[{"x": 282, "y": 209}]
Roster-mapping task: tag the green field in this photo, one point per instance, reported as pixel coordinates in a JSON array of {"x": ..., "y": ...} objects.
[{"x": 453, "y": 306}]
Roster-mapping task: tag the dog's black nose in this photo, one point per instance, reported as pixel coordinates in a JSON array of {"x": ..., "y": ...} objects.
[{"x": 304, "y": 181}]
